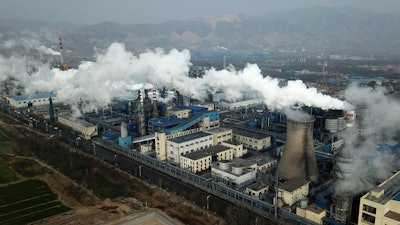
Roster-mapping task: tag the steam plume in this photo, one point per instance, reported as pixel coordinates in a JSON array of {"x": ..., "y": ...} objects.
[
  {"x": 117, "y": 71},
  {"x": 379, "y": 124}
]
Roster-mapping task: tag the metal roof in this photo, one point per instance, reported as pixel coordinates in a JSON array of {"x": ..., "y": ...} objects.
[
  {"x": 190, "y": 137},
  {"x": 210, "y": 151},
  {"x": 292, "y": 185},
  {"x": 31, "y": 97},
  {"x": 251, "y": 134}
]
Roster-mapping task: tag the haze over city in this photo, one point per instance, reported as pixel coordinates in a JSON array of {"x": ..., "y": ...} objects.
[
  {"x": 200, "y": 112},
  {"x": 153, "y": 11}
]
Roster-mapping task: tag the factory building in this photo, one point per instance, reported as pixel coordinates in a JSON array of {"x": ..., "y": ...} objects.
[
  {"x": 179, "y": 146},
  {"x": 238, "y": 150},
  {"x": 36, "y": 100},
  {"x": 257, "y": 190},
  {"x": 178, "y": 112},
  {"x": 220, "y": 135},
  {"x": 381, "y": 205},
  {"x": 124, "y": 140},
  {"x": 201, "y": 160},
  {"x": 312, "y": 212},
  {"x": 253, "y": 140},
  {"x": 292, "y": 191},
  {"x": 235, "y": 105},
  {"x": 233, "y": 174},
  {"x": 256, "y": 162},
  {"x": 88, "y": 130}
]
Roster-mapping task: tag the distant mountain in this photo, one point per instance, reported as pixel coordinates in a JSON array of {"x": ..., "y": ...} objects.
[{"x": 336, "y": 30}]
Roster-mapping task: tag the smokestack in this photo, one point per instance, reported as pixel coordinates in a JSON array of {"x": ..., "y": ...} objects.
[
  {"x": 298, "y": 160},
  {"x": 155, "y": 110},
  {"x": 141, "y": 96},
  {"x": 51, "y": 109},
  {"x": 142, "y": 118}
]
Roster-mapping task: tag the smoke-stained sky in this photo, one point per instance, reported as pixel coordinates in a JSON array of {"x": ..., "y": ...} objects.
[{"x": 156, "y": 11}]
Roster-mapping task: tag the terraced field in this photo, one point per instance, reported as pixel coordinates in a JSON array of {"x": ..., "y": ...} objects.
[{"x": 28, "y": 201}]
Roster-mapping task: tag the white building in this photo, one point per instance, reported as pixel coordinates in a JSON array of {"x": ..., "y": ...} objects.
[
  {"x": 88, "y": 130},
  {"x": 259, "y": 163},
  {"x": 292, "y": 191},
  {"x": 202, "y": 159},
  {"x": 233, "y": 174},
  {"x": 254, "y": 139},
  {"x": 176, "y": 147},
  {"x": 238, "y": 150},
  {"x": 220, "y": 134},
  {"x": 381, "y": 205},
  {"x": 36, "y": 100}
]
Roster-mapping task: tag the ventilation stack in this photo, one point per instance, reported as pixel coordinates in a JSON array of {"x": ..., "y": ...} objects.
[
  {"x": 298, "y": 159},
  {"x": 124, "y": 141},
  {"x": 142, "y": 119},
  {"x": 63, "y": 65},
  {"x": 51, "y": 109},
  {"x": 155, "y": 110}
]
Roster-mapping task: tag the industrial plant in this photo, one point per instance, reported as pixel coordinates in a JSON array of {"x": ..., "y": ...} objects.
[{"x": 302, "y": 161}]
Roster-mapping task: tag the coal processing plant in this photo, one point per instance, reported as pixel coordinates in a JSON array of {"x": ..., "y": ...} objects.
[{"x": 316, "y": 166}]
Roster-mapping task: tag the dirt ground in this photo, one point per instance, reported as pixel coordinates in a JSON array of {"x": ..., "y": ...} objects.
[{"x": 90, "y": 209}]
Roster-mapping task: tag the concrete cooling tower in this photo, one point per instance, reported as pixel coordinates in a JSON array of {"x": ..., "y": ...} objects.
[{"x": 298, "y": 159}]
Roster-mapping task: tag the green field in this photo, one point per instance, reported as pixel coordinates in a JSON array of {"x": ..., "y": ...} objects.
[
  {"x": 6, "y": 174},
  {"x": 28, "y": 201}
]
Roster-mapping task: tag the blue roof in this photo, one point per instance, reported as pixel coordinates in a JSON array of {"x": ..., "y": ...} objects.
[
  {"x": 35, "y": 96},
  {"x": 397, "y": 197}
]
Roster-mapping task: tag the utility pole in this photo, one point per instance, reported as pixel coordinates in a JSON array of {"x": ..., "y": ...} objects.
[
  {"x": 276, "y": 197},
  {"x": 208, "y": 196}
]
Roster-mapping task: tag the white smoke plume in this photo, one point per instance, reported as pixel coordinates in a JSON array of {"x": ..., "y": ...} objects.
[
  {"x": 117, "y": 71},
  {"x": 379, "y": 123},
  {"x": 28, "y": 45}
]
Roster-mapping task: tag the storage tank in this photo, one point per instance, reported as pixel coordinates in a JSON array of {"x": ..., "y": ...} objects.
[
  {"x": 223, "y": 164},
  {"x": 343, "y": 172},
  {"x": 124, "y": 130},
  {"x": 331, "y": 124},
  {"x": 341, "y": 124},
  {"x": 350, "y": 118},
  {"x": 298, "y": 159},
  {"x": 237, "y": 168},
  {"x": 341, "y": 204}
]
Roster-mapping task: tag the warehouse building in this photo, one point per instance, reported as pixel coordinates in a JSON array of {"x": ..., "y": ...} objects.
[
  {"x": 253, "y": 140},
  {"x": 201, "y": 160},
  {"x": 381, "y": 205},
  {"x": 238, "y": 150},
  {"x": 179, "y": 146},
  {"x": 292, "y": 191},
  {"x": 36, "y": 100},
  {"x": 235, "y": 175},
  {"x": 88, "y": 130},
  {"x": 220, "y": 134}
]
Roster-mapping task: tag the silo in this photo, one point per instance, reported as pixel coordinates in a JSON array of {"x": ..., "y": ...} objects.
[
  {"x": 298, "y": 159},
  {"x": 342, "y": 204},
  {"x": 331, "y": 124},
  {"x": 124, "y": 130},
  {"x": 341, "y": 123}
]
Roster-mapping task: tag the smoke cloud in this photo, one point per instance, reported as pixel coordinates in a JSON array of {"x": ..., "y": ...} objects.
[
  {"x": 117, "y": 72},
  {"x": 28, "y": 45},
  {"x": 377, "y": 122}
]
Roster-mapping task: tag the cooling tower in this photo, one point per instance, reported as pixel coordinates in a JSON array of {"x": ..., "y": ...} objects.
[{"x": 298, "y": 159}]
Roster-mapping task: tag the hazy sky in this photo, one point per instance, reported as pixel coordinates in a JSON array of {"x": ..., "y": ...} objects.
[{"x": 156, "y": 11}]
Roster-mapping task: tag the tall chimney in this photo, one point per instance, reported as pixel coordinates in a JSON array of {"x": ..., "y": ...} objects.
[
  {"x": 155, "y": 110},
  {"x": 298, "y": 160}
]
